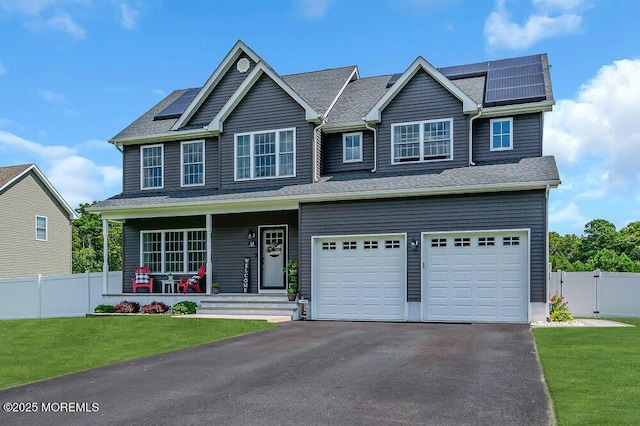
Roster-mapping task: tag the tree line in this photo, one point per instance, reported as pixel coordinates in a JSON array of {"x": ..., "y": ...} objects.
[{"x": 87, "y": 243}]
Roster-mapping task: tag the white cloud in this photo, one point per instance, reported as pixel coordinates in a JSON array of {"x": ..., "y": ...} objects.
[
  {"x": 313, "y": 9},
  {"x": 128, "y": 16},
  {"x": 34, "y": 7},
  {"x": 63, "y": 22},
  {"x": 3, "y": 70},
  {"x": 568, "y": 213},
  {"x": 39, "y": 19},
  {"x": 16, "y": 143},
  {"x": 51, "y": 97},
  {"x": 501, "y": 32},
  {"x": 602, "y": 125}
]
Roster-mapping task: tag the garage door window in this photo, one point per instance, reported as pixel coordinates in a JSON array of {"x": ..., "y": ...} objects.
[
  {"x": 368, "y": 245},
  {"x": 511, "y": 241},
  {"x": 392, "y": 244},
  {"x": 462, "y": 242},
  {"x": 349, "y": 245},
  {"x": 438, "y": 242},
  {"x": 486, "y": 241},
  {"x": 329, "y": 245}
]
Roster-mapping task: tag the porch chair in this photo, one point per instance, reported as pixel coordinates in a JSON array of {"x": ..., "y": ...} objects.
[
  {"x": 192, "y": 282},
  {"x": 142, "y": 279}
]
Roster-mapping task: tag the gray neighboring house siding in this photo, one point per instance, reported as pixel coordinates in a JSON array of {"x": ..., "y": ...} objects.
[
  {"x": 267, "y": 107},
  {"x": 527, "y": 139},
  {"x": 496, "y": 211},
  {"x": 423, "y": 98},
  {"x": 332, "y": 155}
]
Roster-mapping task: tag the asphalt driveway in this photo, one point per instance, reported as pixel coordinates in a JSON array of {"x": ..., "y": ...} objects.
[{"x": 310, "y": 373}]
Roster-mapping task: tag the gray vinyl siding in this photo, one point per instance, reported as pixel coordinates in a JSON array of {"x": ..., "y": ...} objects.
[
  {"x": 267, "y": 107},
  {"x": 516, "y": 210},
  {"x": 527, "y": 139},
  {"x": 172, "y": 164},
  {"x": 131, "y": 243},
  {"x": 230, "y": 246},
  {"x": 21, "y": 254},
  {"x": 220, "y": 94},
  {"x": 423, "y": 98},
  {"x": 333, "y": 154}
]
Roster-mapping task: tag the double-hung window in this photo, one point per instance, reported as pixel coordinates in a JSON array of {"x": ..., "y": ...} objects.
[
  {"x": 177, "y": 251},
  {"x": 41, "y": 228},
  {"x": 352, "y": 147},
  {"x": 422, "y": 141},
  {"x": 501, "y": 134},
  {"x": 263, "y": 155},
  {"x": 151, "y": 165},
  {"x": 192, "y": 154}
]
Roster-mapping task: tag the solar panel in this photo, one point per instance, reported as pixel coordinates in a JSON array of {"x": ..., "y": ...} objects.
[
  {"x": 393, "y": 79},
  {"x": 177, "y": 107}
]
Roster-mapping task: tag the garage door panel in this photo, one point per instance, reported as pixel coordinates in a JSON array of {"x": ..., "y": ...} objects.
[{"x": 475, "y": 277}]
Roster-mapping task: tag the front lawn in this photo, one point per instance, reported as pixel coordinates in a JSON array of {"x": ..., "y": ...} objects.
[
  {"x": 593, "y": 374},
  {"x": 37, "y": 349}
]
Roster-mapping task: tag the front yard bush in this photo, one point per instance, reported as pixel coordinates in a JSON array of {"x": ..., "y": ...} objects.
[
  {"x": 185, "y": 307},
  {"x": 155, "y": 308},
  {"x": 126, "y": 307},
  {"x": 559, "y": 310},
  {"x": 104, "y": 309}
]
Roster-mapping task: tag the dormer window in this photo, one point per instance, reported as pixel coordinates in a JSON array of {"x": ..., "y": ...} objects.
[
  {"x": 151, "y": 165},
  {"x": 352, "y": 147},
  {"x": 422, "y": 141},
  {"x": 501, "y": 134}
]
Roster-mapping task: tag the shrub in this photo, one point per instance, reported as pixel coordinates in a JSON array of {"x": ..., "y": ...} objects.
[
  {"x": 156, "y": 308},
  {"x": 185, "y": 308},
  {"x": 104, "y": 309},
  {"x": 559, "y": 311},
  {"x": 126, "y": 307}
]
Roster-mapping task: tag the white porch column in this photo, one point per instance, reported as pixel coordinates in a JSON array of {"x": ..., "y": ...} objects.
[
  {"x": 105, "y": 256},
  {"x": 209, "y": 247}
]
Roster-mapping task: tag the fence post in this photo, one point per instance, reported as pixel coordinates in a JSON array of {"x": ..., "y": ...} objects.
[
  {"x": 39, "y": 296},
  {"x": 88, "y": 291}
]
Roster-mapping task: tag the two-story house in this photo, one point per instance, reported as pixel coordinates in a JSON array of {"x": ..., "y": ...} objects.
[
  {"x": 418, "y": 196},
  {"x": 35, "y": 224}
]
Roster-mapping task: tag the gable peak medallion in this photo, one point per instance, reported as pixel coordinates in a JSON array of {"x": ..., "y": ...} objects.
[{"x": 243, "y": 65}]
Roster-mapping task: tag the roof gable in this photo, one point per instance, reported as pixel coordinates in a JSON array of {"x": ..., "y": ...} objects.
[{"x": 468, "y": 104}]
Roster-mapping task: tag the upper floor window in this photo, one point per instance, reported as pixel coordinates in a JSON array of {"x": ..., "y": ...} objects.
[
  {"x": 262, "y": 155},
  {"x": 151, "y": 160},
  {"x": 352, "y": 147},
  {"x": 501, "y": 134},
  {"x": 41, "y": 228},
  {"x": 192, "y": 154},
  {"x": 422, "y": 141}
]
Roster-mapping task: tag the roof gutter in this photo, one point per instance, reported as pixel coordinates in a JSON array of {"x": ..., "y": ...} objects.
[
  {"x": 471, "y": 163},
  {"x": 173, "y": 136},
  {"x": 375, "y": 146}
]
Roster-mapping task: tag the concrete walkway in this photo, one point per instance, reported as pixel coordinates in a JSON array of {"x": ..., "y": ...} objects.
[{"x": 582, "y": 322}]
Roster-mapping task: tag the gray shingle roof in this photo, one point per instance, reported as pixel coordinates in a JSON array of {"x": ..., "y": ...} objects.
[
  {"x": 538, "y": 170},
  {"x": 9, "y": 172},
  {"x": 358, "y": 99},
  {"x": 319, "y": 88},
  {"x": 472, "y": 86}
]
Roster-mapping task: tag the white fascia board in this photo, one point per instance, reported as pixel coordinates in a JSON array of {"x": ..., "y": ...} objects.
[
  {"x": 339, "y": 128},
  {"x": 531, "y": 107},
  {"x": 468, "y": 105},
  {"x": 355, "y": 75},
  {"x": 292, "y": 202},
  {"x": 216, "y": 124},
  {"x": 180, "y": 135},
  {"x": 72, "y": 214},
  {"x": 214, "y": 79}
]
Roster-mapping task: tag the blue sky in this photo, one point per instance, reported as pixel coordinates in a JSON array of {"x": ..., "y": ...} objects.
[{"x": 73, "y": 73}]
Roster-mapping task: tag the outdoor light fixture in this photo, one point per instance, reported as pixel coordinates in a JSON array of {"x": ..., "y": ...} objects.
[{"x": 415, "y": 243}]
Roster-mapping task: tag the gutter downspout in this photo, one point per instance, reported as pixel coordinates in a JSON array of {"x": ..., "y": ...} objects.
[
  {"x": 316, "y": 172},
  {"x": 375, "y": 146},
  {"x": 471, "y": 163},
  {"x": 546, "y": 267}
]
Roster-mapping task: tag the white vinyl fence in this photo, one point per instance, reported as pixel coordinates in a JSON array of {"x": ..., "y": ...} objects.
[
  {"x": 612, "y": 294},
  {"x": 54, "y": 296}
]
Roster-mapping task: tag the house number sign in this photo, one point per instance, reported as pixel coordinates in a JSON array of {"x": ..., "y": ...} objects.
[{"x": 245, "y": 277}]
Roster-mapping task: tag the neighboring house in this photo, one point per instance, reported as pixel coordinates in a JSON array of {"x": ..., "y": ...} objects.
[
  {"x": 35, "y": 224},
  {"x": 419, "y": 196}
]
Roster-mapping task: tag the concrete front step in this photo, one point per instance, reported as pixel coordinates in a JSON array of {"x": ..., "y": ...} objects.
[
  {"x": 247, "y": 311},
  {"x": 246, "y": 297},
  {"x": 228, "y": 304}
]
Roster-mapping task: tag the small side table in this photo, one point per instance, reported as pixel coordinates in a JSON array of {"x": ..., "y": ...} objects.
[{"x": 170, "y": 284}]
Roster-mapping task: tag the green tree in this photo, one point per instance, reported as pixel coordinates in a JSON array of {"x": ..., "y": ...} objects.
[
  {"x": 87, "y": 242},
  {"x": 606, "y": 260},
  {"x": 598, "y": 234},
  {"x": 559, "y": 261},
  {"x": 630, "y": 240},
  {"x": 567, "y": 245}
]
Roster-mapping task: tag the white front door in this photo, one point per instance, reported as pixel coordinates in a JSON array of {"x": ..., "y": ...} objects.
[{"x": 273, "y": 254}]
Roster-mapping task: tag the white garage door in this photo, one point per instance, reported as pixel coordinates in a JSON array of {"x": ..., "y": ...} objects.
[
  {"x": 359, "y": 278},
  {"x": 475, "y": 277}
]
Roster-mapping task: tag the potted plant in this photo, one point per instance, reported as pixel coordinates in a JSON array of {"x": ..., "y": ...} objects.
[
  {"x": 215, "y": 288},
  {"x": 292, "y": 277}
]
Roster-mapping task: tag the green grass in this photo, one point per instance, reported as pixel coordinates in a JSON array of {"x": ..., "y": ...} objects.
[
  {"x": 37, "y": 349},
  {"x": 593, "y": 374}
]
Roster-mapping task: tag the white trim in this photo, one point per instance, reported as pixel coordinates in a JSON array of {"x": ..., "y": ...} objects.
[
  {"x": 142, "y": 148},
  {"x": 46, "y": 228},
  {"x": 228, "y": 61},
  {"x": 510, "y": 147},
  {"x": 351, "y": 78},
  {"x": 216, "y": 123},
  {"x": 423, "y": 280},
  {"x": 164, "y": 137},
  {"x": 421, "y": 141},
  {"x": 531, "y": 107},
  {"x": 182, "y": 144},
  {"x": 314, "y": 273},
  {"x": 286, "y": 257},
  {"x": 344, "y": 147},
  {"x": 185, "y": 251},
  {"x": 72, "y": 214},
  {"x": 252, "y": 154},
  {"x": 468, "y": 105}
]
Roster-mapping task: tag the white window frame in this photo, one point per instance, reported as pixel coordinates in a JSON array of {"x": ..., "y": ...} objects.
[
  {"x": 421, "y": 159},
  {"x": 46, "y": 228},
  {"x": 185, "y": 258},
  {"x": 142, "y": 149},
  {"x": 182, "y": 163},
  {"x": 510, "y": 147},
  {"x": 344, "y": 147},
  {"x": 252, "y": 154}
]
